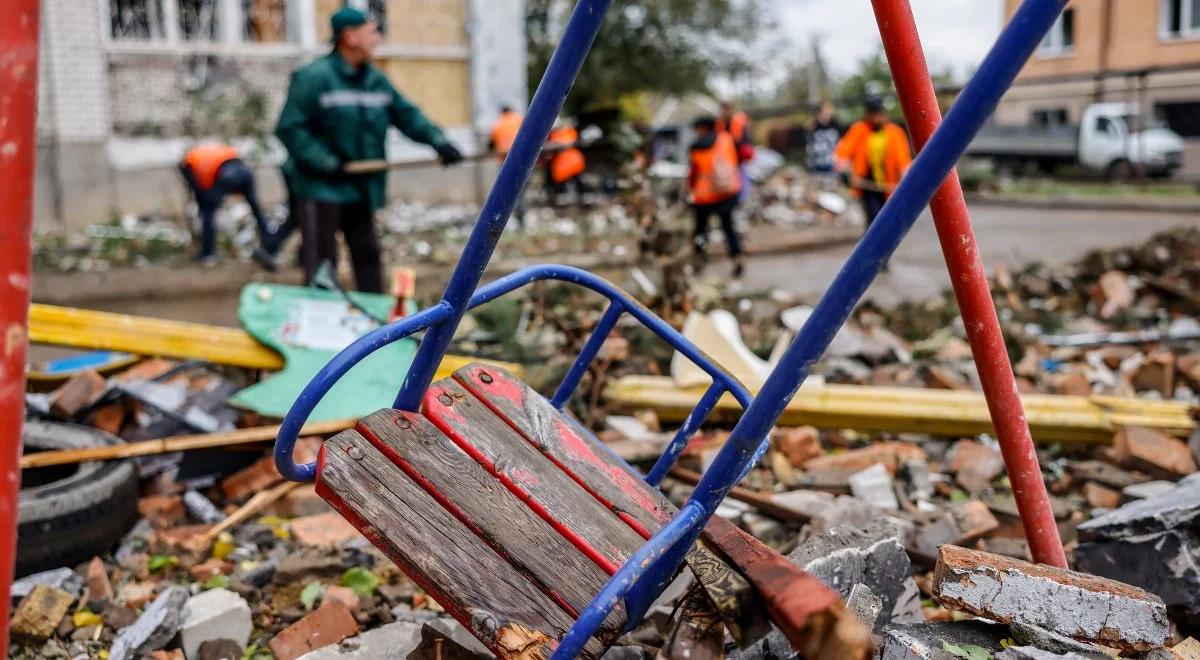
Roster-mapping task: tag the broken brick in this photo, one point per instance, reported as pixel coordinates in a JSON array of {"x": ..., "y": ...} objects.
[
  {"x": 1114, "y": 288},
  {"x": 209, "y": 569},
  {"x": 340, "y": 594},
  {"x": 1101, "y": 497},
  {"x": 99, "y": 589},
  {"x": 136, "y": 594},
  {"x": 329, "y": 624},
  {"x": 81, "y": 391},
  {"x": 146, "y": 370},
  {"x": 1156, "y": 374},
  {"x": 108, "y": 418},
  {"x": 1071, "y": 383},
  {"x": 299, "y": 502},
  {"x": 962, "y": 523},
  {"x": 891, "y": 454},
  {"x": 1077, "y": 605},
  {"x": 941, "y": 378},
  {"x": 262, "y": 474},
  {"x": 38, "y": 615},
  {"x": 324, "y": 529},
  {"x": 1152, "y": 451},
  {"x": 798, "y": 444},
  {"x": 163, "y": 511},
  {"x": 974, "y": 464}
]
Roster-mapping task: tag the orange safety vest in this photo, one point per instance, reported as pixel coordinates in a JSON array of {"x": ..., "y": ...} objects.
[
  {"x": 568, "y": 163},
  {"x": 715, "y": 172},
  {"x": 504, "y": 132},
  {"x": 204, "y": 161},
  {"x": 737, "y": 126},
  {"x": 853, "y": 148}
]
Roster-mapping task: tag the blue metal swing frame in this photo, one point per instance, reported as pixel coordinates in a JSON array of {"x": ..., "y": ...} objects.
[{"x": 639, "y": 581}]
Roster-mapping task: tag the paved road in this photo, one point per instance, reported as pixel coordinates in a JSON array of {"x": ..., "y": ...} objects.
[{"x": 1012, "y": 236}]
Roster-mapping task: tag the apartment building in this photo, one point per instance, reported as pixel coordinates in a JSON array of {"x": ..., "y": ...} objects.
[
  {"x": 1145, "y": 52},
  {"x": 127, "y": 85}
]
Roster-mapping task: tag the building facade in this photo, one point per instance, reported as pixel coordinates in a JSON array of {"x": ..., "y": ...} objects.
[
  {"x": 1144, "y": 52},
  {"x": 127, "y": 85}
]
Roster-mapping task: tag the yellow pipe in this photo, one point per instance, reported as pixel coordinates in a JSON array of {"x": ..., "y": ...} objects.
[{"x": 1052, "y": 418}]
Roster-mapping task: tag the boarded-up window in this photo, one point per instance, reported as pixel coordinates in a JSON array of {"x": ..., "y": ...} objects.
[
  {"x": 440, "y": 87},
  {"x": 428, "y": 22}
]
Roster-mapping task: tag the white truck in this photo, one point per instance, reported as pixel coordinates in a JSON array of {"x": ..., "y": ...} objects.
[{"x": 1113, "y": 139}]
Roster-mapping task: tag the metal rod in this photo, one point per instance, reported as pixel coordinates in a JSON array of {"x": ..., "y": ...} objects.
[
  {"x": 514, "y": 172},
  {"x": 689, "y": 427},
  {"x": 906, "y": 57},
  {"x": 569, "y": 382},
  {"x": 18, "y": 151}
]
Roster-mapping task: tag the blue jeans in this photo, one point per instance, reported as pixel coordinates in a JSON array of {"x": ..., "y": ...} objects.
[{"x": 234, "y": 177}]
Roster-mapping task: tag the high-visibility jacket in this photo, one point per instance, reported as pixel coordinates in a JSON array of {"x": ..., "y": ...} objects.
[
  {"x": 715, "y": 176},
  {"x": 204, "y": 160},
  {"x": 854, "y": 148},
  {"x": 504, "y": 132},
  {"x": 569, "y": 162},
  {"x": 737, "y": 126}
]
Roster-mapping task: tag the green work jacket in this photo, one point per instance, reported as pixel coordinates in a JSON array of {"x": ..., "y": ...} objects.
[{"x": 335, "y": 114}]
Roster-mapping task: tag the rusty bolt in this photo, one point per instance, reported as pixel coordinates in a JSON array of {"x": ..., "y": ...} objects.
[
  {"x": 355, "y": 453},
  {"x": 485, "y": 377},
  {"x": 404, "y": 423},
  {"x": 445, "y": 399}
]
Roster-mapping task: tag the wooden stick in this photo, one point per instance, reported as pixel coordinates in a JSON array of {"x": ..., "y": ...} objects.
[
  {"x": 763, "y": 503},
  {"x": 365, "y": 166},
  {"x": 252, "y": 506},
  {"x": 177, "y": 443}
]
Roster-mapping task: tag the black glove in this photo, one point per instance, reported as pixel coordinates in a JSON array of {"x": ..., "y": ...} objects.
[{"x": 448, "y": 154}]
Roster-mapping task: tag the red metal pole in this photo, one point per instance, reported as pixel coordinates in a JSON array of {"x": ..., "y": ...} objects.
[
  {"x": 18, "y": 149},
  {"x": 906, "y": 58}
]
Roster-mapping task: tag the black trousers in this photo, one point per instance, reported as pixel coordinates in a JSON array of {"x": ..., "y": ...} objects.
[
  {"x": 319, "y": 225},
  {"x": 872, "y": 203},
  {"x": 234, "y": 177},
  {"x": 724, "y": 211}
]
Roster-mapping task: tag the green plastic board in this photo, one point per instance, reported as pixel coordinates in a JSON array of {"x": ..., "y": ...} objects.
[{"x": 308, "y": 327}]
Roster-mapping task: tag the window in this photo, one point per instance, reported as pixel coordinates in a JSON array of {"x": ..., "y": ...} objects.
[
  {"x": 1180, "y": 19},
  {"x": 268, "y": 21},
  {"x": 1060, "y": 40},
  {"x": 1183, "y": 117},
  {"x": 136, "y": 19},
  {"x": 1047, "y": 118},
  {"x": 1106, "y": 125},
  {"x": 199, "y": 20}
]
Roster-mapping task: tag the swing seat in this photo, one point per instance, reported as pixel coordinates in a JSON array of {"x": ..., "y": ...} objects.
[{"x": 498, "y": 505}]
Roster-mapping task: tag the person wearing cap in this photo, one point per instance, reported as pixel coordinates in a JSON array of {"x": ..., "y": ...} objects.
[
  {"x": 337, "y": 113},
  {"x": 872, "y": 156}
]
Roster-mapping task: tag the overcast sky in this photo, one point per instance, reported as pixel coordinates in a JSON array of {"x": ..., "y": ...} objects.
[{"x": 956, "y": 33}]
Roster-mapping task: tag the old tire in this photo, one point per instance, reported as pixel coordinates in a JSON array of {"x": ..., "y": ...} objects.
[{"x": 71, "y": 513}]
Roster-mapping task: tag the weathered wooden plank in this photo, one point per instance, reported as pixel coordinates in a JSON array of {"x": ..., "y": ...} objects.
[
  {"x": 475, "y": 585},
  {"x": 612, "y": 482},
  {"x": 484, "y": 505},
  {"x": 547, "y": 490}
]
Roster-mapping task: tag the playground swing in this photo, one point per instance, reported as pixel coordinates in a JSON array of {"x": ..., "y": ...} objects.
[{"x": 511, "y": 515}]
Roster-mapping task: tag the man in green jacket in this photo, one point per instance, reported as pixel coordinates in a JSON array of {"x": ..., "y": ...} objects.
[{"x": 337, "y": 112}]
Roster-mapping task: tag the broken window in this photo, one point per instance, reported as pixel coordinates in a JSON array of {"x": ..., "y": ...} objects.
[
  {"x": 268, "y": 21},
  {"x": 198, "y": 20},
  {"x": 136, "y": 19}
]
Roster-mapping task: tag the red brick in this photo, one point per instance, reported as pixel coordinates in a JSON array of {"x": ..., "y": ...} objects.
[
  {"x": 1071, "y": 384},
  {"x": 1152, "y": 451},
  {"x": 1156, "y": 374},
  {"x": 108, "y": 418},
  {"x": 99, "y": 589},
  {"x": 209, "y": 569},
  {"x": 799, "y": 444},
  {"x": 329, "y": 624},
  {"x": 163, "y": 511},
  {"x": 137, "y": 594},
  {"x": 164, "y": 654},
  {"x": 1101, "y": 497},
  {"x": 324, "y": 529},
  {"x": 262, "y": 475},
  {"x": 343, "y": 595},
  {"x": 186, "y": 541},
  {"x": 974, "y": 464},
  {"x": 940, "y": 378},
  {"x": 1114, "y": 287},
  {"x": 890, "y": 454},
  {"x": 81, "y": 391},
  {"x": 302, "y": 501}
]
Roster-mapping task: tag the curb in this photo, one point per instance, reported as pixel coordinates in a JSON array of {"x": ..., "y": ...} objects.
[{"x": 1084, "y": 203}]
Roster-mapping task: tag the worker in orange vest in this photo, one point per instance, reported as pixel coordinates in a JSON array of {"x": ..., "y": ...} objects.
[
  {"x": 872, "y": 156},
  {"x": 567, "y": 162},
  {"x": 212, "y": 172},
  {"x": 737, "y": 123},
  {"x": 504, "y": 134},
  {"x": 504, "y": 131},
  {"x": 715, "y": 181}
]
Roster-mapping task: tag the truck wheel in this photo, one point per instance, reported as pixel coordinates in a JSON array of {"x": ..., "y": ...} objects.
[
  {"x": 70, "y": 513},
  {"x": 1119, "y": 170}
]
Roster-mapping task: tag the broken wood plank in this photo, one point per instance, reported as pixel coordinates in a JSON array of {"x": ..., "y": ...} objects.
[
  {"x": 809, "y": 614},
  {"x": 608, "y": 479},
  {"x": 763, "y": 503},
  {"x": 177, "y": 443},
  {"x": 551, "y": 493},
  {"x": 495, "y": 515},
  {"x": 474, "y": 584},
  {"x": 1052, "y": 418}
]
